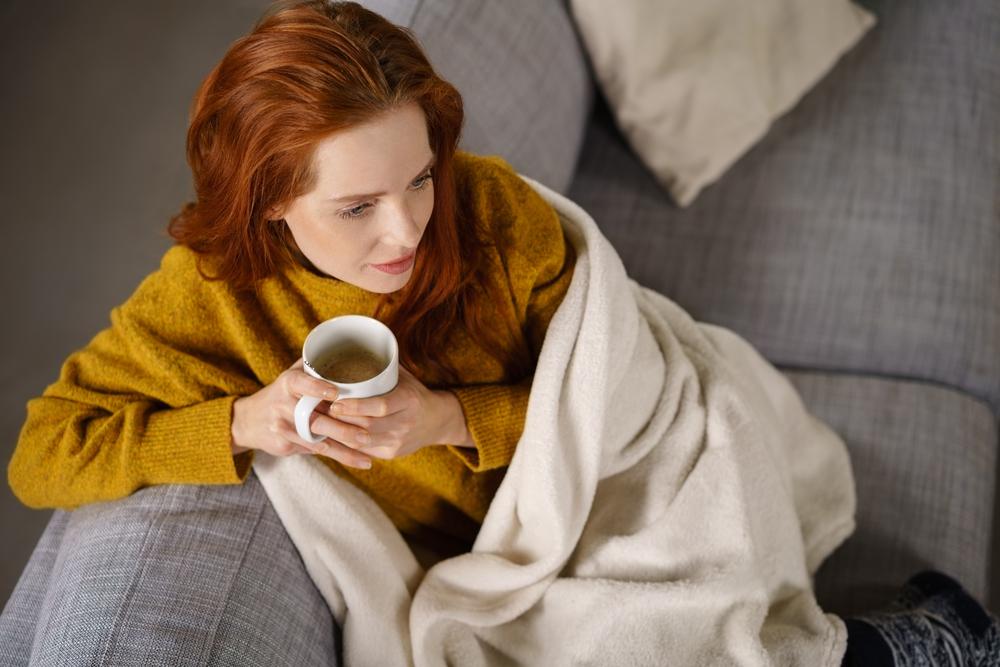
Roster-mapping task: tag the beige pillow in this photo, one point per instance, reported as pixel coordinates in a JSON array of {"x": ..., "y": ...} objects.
[{"x": 695, "y": 83}]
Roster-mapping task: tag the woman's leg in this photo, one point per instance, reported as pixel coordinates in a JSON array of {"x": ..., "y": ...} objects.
[
  {"x": 933, "y": 622},
  {"x": 172, "y": 575}
]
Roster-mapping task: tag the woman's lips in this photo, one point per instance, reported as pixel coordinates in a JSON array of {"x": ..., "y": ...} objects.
[{"x": 397, "y": 266}]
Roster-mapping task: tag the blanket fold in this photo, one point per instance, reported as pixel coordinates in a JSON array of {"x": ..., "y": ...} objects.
[{"x": 669, "y": 501}]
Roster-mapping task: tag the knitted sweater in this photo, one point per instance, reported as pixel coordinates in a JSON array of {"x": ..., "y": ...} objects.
[{"x": 149, "y": 400}]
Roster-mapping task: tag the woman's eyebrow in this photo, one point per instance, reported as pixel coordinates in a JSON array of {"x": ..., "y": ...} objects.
[{"x": 372, "y": 195}]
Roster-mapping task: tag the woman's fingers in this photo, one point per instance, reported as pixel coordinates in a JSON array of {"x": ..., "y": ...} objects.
[
  {"x": 392, "y": 425},
  {"x": 265, "y": 420},
  {"x": 342, "y": 454},
  {"x": 351, "y": 434},
  {"x": 376, "y": 406},
  {"x": 301, "y": 384},
  {"x": 331, "y": 447},
  {"x": 361, "y": 418}
]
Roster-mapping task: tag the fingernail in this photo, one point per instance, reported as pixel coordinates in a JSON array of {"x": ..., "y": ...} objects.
[
  {"x": 364, "y": 438},
  {"x": 365, "y": 465},
  {"x": 338, "y": 408},
  {"x": 331, "y": 393}
]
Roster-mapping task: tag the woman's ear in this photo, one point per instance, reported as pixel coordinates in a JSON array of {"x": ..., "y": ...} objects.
[{"x": 275, "y": 213}]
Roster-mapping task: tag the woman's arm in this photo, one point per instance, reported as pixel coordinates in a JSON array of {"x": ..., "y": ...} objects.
[
  {"x": 538, "y": 264},
  {"x": 495, "y": 413},
  {"x": 148, "y": 401},
  {"x": 129, "y": 410},
  {"x": 71, "y": 453}
]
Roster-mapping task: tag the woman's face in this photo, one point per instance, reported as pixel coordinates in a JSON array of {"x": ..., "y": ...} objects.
[{"x": 363, "y": 219}]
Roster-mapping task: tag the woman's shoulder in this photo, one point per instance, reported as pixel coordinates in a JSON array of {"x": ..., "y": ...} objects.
[
  {"x": 520, "y": 225},
  {"x": 180, "y": 262},
  {"x": 181, "y": 270},
  {"x": 485, "y": 166},
  {"x": 182, "y": 282},
  {"x": 505, "y": 205},
  {"x": 480, "y": 179}
]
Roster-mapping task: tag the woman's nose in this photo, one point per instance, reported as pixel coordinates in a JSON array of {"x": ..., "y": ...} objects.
[{"x": 401, "y": 229}]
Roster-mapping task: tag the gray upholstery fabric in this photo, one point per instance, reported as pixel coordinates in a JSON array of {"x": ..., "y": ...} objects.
[
  {"x": 173, "y": 575},
  {"x": 521, "y": 73},
  {"x": 862, "y": 233},
  {"x": 20, "y": 615},
  {"x": 400, "y": 12},
  {"x": 924, "y": 460}
]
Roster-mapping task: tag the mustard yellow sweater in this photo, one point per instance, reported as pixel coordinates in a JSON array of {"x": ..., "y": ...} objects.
[{"x": 149, "y": 400}]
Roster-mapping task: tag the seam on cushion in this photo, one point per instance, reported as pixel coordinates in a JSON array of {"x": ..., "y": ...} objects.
[
  {"x": 114, "y": 637},
  {"x": 412, "y": 20},
  {"x": 63, "y": 518},
  {"x": 814, "y": 370},
  {"x": 210, "y": 645}
]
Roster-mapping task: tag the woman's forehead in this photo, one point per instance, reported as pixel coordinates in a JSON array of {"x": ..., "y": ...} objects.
[{"x": 391, "y": 149}]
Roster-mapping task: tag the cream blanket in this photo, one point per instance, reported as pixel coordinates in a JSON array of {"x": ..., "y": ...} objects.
[{"x": 668, "y": 503}]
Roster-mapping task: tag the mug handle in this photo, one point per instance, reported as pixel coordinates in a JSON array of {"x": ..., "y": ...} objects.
[{"x": 303, "y": 410}]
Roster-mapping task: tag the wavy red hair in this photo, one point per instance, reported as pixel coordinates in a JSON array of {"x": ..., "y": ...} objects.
[{"x": 309, "y": 69}]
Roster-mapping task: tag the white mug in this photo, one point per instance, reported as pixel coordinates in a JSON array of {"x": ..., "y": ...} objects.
[{"x": 336, "y": 334}]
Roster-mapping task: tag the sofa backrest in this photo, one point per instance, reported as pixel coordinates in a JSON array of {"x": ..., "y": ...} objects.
[{"x": 522, "y": 74}]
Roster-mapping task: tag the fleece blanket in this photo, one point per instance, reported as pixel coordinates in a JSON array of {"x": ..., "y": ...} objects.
[{"x": 668, "y": 503}]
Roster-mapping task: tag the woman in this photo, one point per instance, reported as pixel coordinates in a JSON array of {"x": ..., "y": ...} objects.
[{"x": 323, "y": 154}]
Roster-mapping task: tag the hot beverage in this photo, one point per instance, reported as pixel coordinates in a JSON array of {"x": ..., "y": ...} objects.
[
  {"x": 359, "y": 354},
  {"x": 350, "y": 364}
]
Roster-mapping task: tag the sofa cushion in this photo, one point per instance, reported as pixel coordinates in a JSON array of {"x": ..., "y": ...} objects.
[
  {"x": 172, "y": 575},
  {"x": 862, "y": 232},
  {"x": 521, "y": 73},
  {"x": 924, "y": 461},
  {"x": 694, "y": 84}
]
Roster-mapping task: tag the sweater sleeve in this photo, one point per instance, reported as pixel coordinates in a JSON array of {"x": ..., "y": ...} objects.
[
  {"x": 539, "y": 264},
  {"x": 495, "y": 413},
  {"x": 146, "y": 402},
  {"x": 71, "y": 453}
]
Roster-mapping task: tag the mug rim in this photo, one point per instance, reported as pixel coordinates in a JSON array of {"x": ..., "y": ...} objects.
[{"x": 368, "y": 322}]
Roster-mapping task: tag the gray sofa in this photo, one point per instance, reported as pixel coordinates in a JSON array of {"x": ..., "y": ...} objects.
[{"x": 857, "y": 245}]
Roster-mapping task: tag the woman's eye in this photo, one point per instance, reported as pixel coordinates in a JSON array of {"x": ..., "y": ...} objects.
[
  {"x": 356, "y": 212},
  {"x": 421, "y": 182}
]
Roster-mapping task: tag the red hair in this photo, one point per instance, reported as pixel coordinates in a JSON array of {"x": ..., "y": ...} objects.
[{"x": 309, "y": 69}]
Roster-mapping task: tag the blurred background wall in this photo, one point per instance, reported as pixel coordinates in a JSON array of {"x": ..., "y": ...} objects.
[{"x": 94, "y": 103}]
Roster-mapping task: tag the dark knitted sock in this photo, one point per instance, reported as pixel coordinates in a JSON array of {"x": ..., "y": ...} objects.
[
  {"x": 866, "y": 647},
  {"x": 933, "y": 623}
]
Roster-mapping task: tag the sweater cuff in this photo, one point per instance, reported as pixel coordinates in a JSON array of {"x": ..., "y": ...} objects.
[
  {"x": 495, "y": 417},
  {"x": 192, "y": 445}
]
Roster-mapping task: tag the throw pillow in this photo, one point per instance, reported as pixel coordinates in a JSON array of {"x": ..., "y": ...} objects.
[{"x": 694, "y": 85}]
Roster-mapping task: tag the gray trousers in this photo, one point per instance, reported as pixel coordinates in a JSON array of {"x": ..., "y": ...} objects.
[{"x": 172, "y": 575}]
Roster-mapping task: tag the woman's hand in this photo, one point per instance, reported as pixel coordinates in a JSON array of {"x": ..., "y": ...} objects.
[
  {"x": 408, "y": 418},
  {"x": 266, "y": 421}
]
